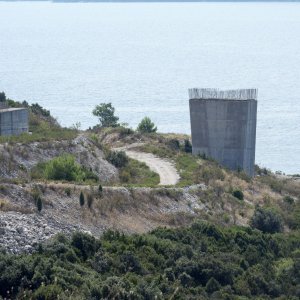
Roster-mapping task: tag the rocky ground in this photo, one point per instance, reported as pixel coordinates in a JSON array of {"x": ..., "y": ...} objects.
[
  {"x": 17, "y": 160},
  {"x": 131, "y": 210}
]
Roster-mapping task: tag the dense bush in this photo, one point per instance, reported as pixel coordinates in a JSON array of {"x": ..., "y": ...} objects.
[
  {"x": 174, "y": 144},
  {"x": 117, "y": 158},
  {"x": 146, "y": 126},
  {"x": 63, "y": 168},
  {"x": 187, "y": 146},
  {"x": 238, "y": 194},
  {"x": 266, "y": 220},
  {"x": 203, "y": 261}
]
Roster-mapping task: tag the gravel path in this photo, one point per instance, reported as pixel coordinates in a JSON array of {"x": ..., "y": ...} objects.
[{"x": 163, "y": 167}]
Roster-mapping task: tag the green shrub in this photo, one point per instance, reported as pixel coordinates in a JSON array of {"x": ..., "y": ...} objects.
[
  {"x": 210, "y": 172},
  {"x": 174, "y": 144},
  {"x": 90, "y": 200},
  {"x": 238, "y": 194},
  {"x": 187, "y": 146},
  {"x": 48, "y": 292},
  {"x": 288, "y": 199},
  {"x": 266, "y": 220},
  {"x": 124, "y": 131},
  {"x": 63, "y": 168},
  {"x": 117, "y": 158},
  {"x": 146, "y": 126},
  {"x": 86, "y": 245},
  {"x": 138, "y": 173},
  {"x": 35, "y": 193}
]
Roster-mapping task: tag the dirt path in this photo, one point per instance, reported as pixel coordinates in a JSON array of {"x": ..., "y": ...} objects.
[{"x": 163, "y": 167}]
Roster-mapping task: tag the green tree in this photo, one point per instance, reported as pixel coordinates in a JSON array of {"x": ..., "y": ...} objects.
[
  {"x": 2, "y": 97},
  {"x": 106, "y": 115},
  {"x": 146, "y": 126},
  {"x": 81, "y": 199}
]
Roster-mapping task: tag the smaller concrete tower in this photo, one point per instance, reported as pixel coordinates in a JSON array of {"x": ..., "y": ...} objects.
[
  {"x": 13, "y": 121},
  {"x": 223, "y": 125}
]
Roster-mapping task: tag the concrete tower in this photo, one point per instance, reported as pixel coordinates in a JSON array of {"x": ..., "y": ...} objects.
[
  {"x": 13, "y": 121},
  {"x": 223, "y": 125}
]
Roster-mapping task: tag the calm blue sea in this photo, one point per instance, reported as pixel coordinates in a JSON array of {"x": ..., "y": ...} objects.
[{"x": 143, "y": 57}]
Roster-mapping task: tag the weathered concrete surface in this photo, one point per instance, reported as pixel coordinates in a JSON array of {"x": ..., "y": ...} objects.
[
  {"x": 225, "y": 130},
  {"x": 13, "y": 121}
]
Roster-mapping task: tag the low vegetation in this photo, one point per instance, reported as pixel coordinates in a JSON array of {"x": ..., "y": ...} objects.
[
  {"x": 203, "y": 261},
  {"x": 63, "y": 168},
  {"x": 117, "y": 158},
  {"x": 138, "y": 174}
]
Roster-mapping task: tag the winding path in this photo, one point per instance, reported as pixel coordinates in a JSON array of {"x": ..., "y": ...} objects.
[{"x": 163, "y": 167}]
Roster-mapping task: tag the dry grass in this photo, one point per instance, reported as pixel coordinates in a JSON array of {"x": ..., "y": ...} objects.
[{"x": 6, "y": 206}]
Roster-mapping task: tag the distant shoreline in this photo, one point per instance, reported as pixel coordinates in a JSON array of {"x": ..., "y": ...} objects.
[{"x": 152, "y": 1}]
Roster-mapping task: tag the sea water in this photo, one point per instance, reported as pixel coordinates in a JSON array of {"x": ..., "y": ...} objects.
[{"x": 143, "y": 57}]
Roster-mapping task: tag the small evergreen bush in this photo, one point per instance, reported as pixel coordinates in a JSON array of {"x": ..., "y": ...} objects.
[
  {"x": 81, "y": 199},
  {"x": 90, "y": 200},
  {"x": 68, "y": 191},
  {"x": 266, "y": 220},
  {"x": 187, "y": 146},
  {"x": 146, "y": 126},
  {"x": 39, "y": 203},
  {"x": 288, "y": 199},
  {"x": 238, "y": 194},
  {"x": 174, "y": 144},
  {"x": 117, "y": 158}
]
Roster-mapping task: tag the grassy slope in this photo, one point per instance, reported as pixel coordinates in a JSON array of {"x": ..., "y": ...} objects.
[{"x": 265, "y": 190}]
